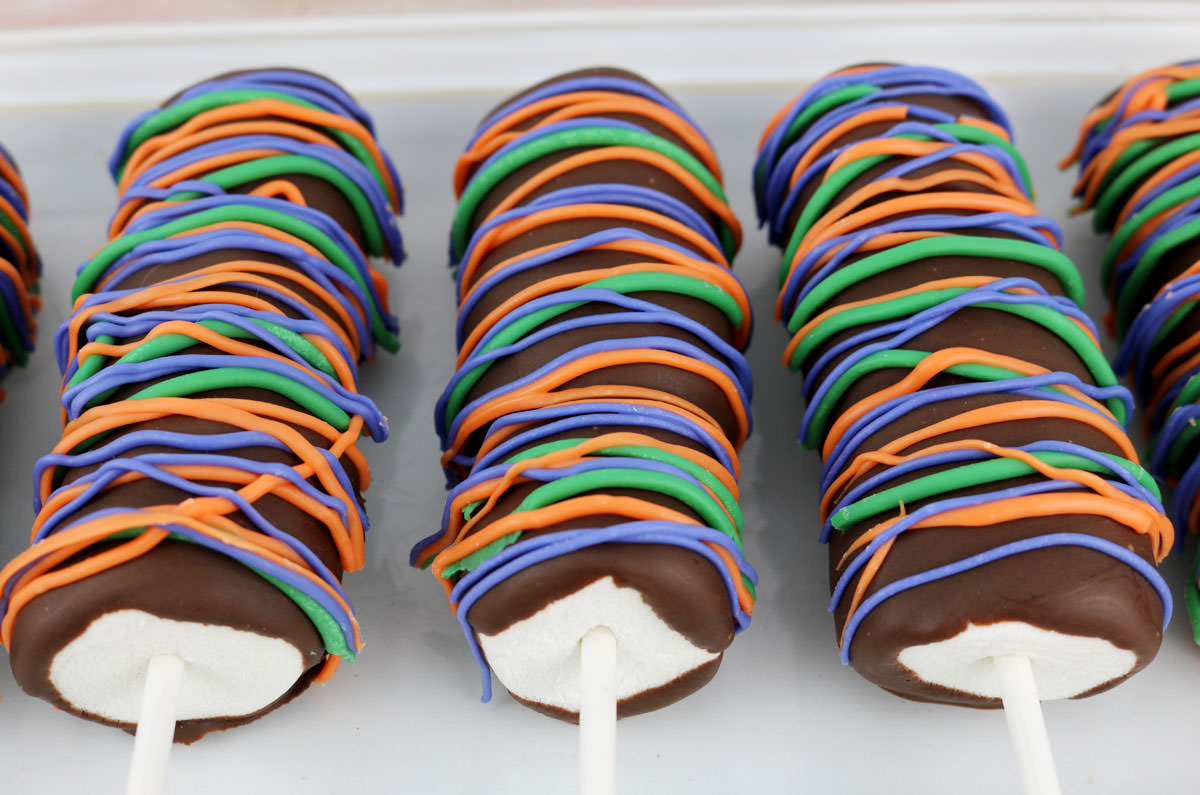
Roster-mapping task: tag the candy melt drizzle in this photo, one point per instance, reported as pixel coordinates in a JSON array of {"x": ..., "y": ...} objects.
[
  {"x": 601, "y": 393},
  {"x": 952, "y": 379},
  {"x": 1138, "y": 154},
  {"x": 212, "y": 353}
]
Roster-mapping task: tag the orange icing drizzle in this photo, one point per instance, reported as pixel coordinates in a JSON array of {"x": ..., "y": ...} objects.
[
  {"x": 9, "y": 173},
  {"x": 1109, "y": 503},
  {"x": 909, "y": 147},
  {"x": 377, "y": 278},
  {"x": 463, "y": 536},
  {"x": 1151, "y": 96},
  {"x": 567, "y": 281},
  {"x": 497, "y": 436},
  {"x": 569, "y": 371},
  {"x": 919, "y": 188},
  {"x": 23, "y": 271},
  {"x": 932, "y": 365},
  {"x": 241, "y": 283},
  {"x": 675, "y": 264},
  {"x": 1091, "y": 178},
  {"x": 512, "y": 230},
  {"x": 821, "y": 145},
  {"x": 832, "y": 226},
  {"x": 709, "y": 200},
  {"x": 850, "y": 306},
  {"x": 244, "y": 117},
  {"x": 25, "y": 238},
  {"x": 491, "y": 490},
  {"x": 877, "y": 202},
  {"x": 1160, "y": 176},
  {"x": 574, "y": 105}
]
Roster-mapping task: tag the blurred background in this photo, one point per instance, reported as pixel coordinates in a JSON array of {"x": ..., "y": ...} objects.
[{"x": 48, "y": 13}]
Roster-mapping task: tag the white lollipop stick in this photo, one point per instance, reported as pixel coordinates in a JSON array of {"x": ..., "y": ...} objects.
[
  {"x": 1026, "y": 727},
  {"x": 598, "y": 713},
  {"x": 156, "y": 726}
]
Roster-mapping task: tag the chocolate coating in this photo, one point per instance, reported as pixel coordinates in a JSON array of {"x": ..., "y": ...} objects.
[
  {"x": 175, "y": 580},
  {"x": 1071, "y": 590},
  {"x": 621, "y": 171},
  {"x": 680, "y": 586},
  {"x": 179, "y": 580}
]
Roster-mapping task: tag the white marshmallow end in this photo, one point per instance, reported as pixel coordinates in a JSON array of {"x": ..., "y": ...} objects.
[
  {"x": 537, "y": 658},
  {"x": 227, "y": 672},
  {"x": 1064, "y": 666}
]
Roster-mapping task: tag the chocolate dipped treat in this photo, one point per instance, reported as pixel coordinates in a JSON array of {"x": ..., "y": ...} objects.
[
  {"x": 205, "y": 499},
  {"x": 979, "y": 494},
  {"x": 592, "y": 425},
  {"x": 1139, "y": 173},
  {"x": 20, "y": 269}
]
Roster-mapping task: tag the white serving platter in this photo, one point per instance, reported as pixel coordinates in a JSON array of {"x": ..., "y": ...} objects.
[{"x": 783, "y": 715}]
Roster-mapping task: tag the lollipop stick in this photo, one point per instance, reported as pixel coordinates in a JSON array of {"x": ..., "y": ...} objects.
[
  {"x": 598, "y": 713},
  {"x": 1023, "y": 711},
  {"x": 156, "y": 726}
]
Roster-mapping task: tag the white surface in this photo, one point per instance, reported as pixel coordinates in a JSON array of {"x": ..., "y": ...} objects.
[
  {"x": 1026, "y": 725},
  {"x": 155, "y": 726},
  {"x": 598, "y": 712},
  {"x": 450, "y": 53},
  {"x": 538, "y": 658},
  {"x": 1063, "y": 666},
  {"x": 231, "y": 672},
  {"x": 782, "y": 715}
]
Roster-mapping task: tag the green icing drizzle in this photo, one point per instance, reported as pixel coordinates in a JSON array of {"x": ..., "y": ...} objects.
[
  {"x": 1139, "y": 160},
  {"x": 331, "y": 633},
  {"x": 284, "y": 222},
  {"x": 266, "y": 167},
  {"x": 327, "y": 626},
  {"x": 1188, "y": 395},
  {"x": 909, "y": 359},
  {"x": 650, "y": 454},
  {"x": 965, "y": 133},
  {"x": 167, "y": 344},
  {"x": 8, "y": 330},
  {"x": 835, "y": 182},
  {"x": 1046, "y": 317},
  {"x": 228, "y": 377},
  {"x": 11, "y": 225},
  {"x": 624, "y": 283},
  {"x": 876, "y": 312},
  {"x": 843, "y": 277},
  {"x": 175, "y": 115},
  {"x": 1127, "y": 309},
  {"x": 817, "y": 108},
  {"x": 487, "y": 178},
  {"x": 616, "y": 477},
  {"x": 974, "y": 474},
  {"x": 480, "y": 555},
  {"x": 1191, "y": 597},
  {"x": 1183, "y": 89}
]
